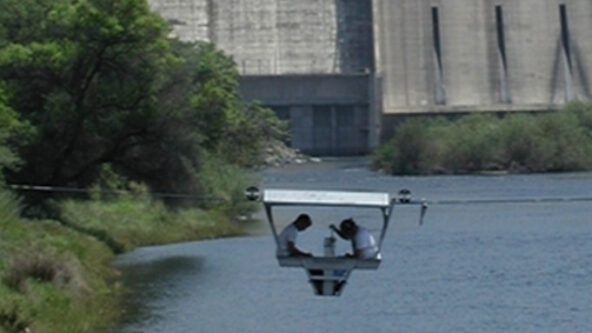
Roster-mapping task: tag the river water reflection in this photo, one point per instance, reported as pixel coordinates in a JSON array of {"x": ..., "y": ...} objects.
[{"x": 513, "y": 267}]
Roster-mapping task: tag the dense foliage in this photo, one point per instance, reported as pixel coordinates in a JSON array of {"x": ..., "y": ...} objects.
[
  {"x": 52, "y": 279},
  {"x": 100, "y": 84},
  {"x": 94, "y": 95},
  {"x": 10, "y": 127},
  {"x": 546, "y": 142}
]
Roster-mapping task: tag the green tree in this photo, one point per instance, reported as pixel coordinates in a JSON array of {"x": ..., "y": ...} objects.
[
  {"x": 103, "y": 85},
  {"x": 12, "y": 130},
  {"x": 87, "y": 81},
  {"x": 22, "y": 20},
  {"x": 231, "y": 127}
]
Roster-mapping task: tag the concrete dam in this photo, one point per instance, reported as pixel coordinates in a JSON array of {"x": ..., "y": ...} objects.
[{"x": 343, "y": 72}]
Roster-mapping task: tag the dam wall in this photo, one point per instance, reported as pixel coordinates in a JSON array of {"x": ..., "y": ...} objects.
[
  {"x": 311, "y": 61},
  {"x": 329, "y": 115},
  {"x": 404, "y": 58},
  {"x": 482, "y": 55},
  {"x": 275, "y": 37}
]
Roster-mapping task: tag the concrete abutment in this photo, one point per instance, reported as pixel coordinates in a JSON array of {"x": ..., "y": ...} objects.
[{"x": 342, "y": 70}]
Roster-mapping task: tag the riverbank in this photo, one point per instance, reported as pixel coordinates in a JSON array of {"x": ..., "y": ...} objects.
[
  {"x": 58, "y": 276},
  {"x": 558, "y": 141},
  {"x": 51, "y": 270}
]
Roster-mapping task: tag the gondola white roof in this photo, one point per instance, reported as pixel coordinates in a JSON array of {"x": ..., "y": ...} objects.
[{"x": 326, "y": 198}]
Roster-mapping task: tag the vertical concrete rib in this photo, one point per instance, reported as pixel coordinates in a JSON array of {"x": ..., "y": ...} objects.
[
  {"x": 504, "y": 92},
  {"x": 277, "y": 68},
  {"x": 580, "y": 13},
  {"x": 439, "y": 91},
  {"x": 377, "y": 35},
  {"x": 375, "y": 93},
  {"x": 211, "y": 19},
  {"x": 566, "y": 52}
]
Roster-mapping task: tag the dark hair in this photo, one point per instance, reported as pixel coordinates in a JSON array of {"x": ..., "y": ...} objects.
[
  {"x": 302, "y": 222},
  {"x": 303, "y": 218},
  {"x": 347, "y": 225}
]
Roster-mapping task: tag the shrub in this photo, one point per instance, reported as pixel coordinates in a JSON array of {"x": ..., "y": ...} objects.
[
  {"x": 409, "y": 151},
  {"x": 470, "y": 144},
  {"x": 224, "y": 185},
  {"x": 11, "y": 317},
  {"x": 520, "y": 144},
  {"x": 130, "y": 222},
  {"x": 8, "y": 207},
  {"x": 384, "y": 158},
  {"x": 553, "y": 141},
  {"x": 565, "y": 142},
  {"x": 48, "y": 273},
  {"x": 583, "y": 111},
  {"x": 38, "y": 267}
]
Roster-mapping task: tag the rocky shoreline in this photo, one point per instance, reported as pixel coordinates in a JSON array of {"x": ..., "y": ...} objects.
[{"x": 278, "y": 153}]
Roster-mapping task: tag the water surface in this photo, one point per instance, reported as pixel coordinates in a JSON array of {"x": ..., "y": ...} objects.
[{"x": 523, "y": 267}]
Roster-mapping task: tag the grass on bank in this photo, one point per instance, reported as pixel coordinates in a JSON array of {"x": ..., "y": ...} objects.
[
  {"x": 52, "y": 279},
  {"x": 131, "y": 222},
  {"x": 127, "y": 219},
  {"x": 57, "y": 276},
  {"x": 544, "y": 142}
]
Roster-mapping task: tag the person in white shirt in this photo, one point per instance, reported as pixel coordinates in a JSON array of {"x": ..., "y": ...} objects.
[
  {"x": 287, "y": 238},
  {"x": 363, "y": 244}
]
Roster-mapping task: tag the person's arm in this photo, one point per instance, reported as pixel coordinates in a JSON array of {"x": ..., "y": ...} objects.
[
  {"x": 294, "y": 251},
  {"x": 358, "y": 254},
  {"x": 337, "y": 231}
]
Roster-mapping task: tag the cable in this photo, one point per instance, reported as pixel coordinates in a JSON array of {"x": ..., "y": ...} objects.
[
  {"x": 510, "y": 200},
  {"x": 42, "y": 188}
]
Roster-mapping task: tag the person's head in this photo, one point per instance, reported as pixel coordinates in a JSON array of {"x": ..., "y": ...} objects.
[
  {"x": 348, "y": 227},
  {"x": 302, "y": 222}
]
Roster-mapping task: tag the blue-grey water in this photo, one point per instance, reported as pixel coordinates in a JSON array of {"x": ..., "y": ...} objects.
[{"x": 512, "y": 267}]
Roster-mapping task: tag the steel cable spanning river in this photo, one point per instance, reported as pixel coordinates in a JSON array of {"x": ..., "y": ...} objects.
[{"x": 492, "y": 267}]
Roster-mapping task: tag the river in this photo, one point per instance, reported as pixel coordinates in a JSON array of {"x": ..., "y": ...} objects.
[{"x": 503, "y": 267}]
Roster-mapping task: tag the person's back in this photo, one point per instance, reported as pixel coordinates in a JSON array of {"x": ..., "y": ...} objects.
[
  {"x": 288, "y": 235},
  {"x": 287, "y": 238},
  {"x": 365, "y": 244}
]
